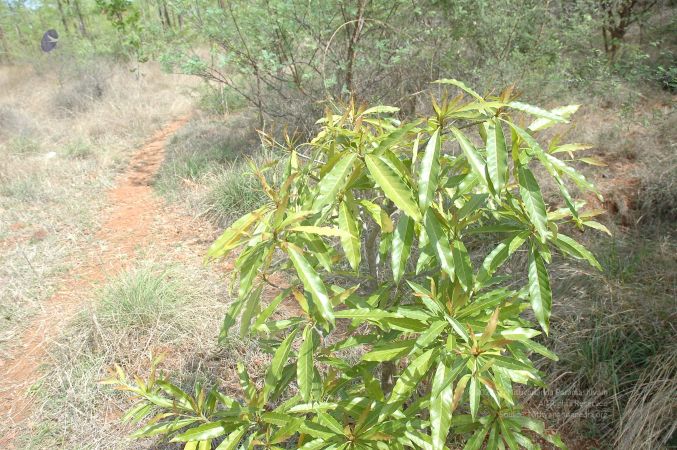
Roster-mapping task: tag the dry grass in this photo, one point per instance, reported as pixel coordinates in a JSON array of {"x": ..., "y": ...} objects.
[
  {"x": 63, "y": 140},
  {"x": 648, "y": 418},
  {"x": 206, "y": 168},
  {"x": 614, "y": 333},
  {"x": 54, "y": 168},
  {"x": 60, "y": 152},
  {"x": 150, "y": 309}
]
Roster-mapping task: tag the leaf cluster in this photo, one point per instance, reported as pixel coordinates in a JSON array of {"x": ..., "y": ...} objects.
[{"x": 405, "y": 337}]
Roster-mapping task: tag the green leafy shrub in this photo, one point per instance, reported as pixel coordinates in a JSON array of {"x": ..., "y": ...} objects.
[
  {"x": 377, "y": 224},
  {"x": 220, "y": 100}
]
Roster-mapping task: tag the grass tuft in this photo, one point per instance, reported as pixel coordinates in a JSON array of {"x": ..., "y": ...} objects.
[
  {"x": 232, "y": 192},
  {"x": 202, "y": 146},
  {"x": 140, "y": 298},
  {"x": 614, "y": 333},
  {"x": 79, "y": 149},
  {"x": 23, "y": 145},
  {"x": 148, "y": 309}
]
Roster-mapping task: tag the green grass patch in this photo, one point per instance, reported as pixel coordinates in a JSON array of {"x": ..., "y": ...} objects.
[
  {"x": 23, "y": 145},
  {"x": 147, "y": 309},
  {"x": 613, "y": 333},
  {"x": 232, "y": 192},
  {"x": 201, "y": 147},
  {"x": 78, "y": 149},
  {"x": 141, "y": 297}
]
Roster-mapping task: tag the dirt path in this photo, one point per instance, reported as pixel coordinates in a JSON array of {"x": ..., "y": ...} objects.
[{"x": 129, "y": 223}]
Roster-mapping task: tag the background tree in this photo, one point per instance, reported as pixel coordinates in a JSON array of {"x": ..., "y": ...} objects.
[{"x": 619, "y": 15}]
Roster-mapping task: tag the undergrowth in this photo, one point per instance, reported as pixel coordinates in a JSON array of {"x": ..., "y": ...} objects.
[
  {"x": 206, "y": 165},
  {"x": 616, "y": 380},
  {"x": 147, "y": 309}
]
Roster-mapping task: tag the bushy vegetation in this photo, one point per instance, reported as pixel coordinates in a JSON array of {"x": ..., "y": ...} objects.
[
  {"x": 147, "y": 307},
  {"x": 277, "y": 66},
  {"x": 375, "y": 223},
  {"x": 207, "y": 165}
]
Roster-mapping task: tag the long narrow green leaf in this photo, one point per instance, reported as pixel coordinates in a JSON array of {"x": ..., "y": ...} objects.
[
  {"x": 564, "y": 112},
  {"x": 320, "y": 231},
  {"x": 549, "y": 166},
  {"x": 536, "y": 111},
  {"x": 426, "y": 251},
  {"x": 312, "y": 283},
  {"x": 306, "y": 427},
  {"x": 270, "y": 309},
  {"x": 462, "y": 86},
  {"x": 249, "y": 263},
  {"x": 474, "y": 393},
  {"x": 440, "y": 242},
  {"x": 252, "y": 306},
  {"x": 573, "y": 248},
  {"x": 162, "y": 428},
  {"x": 402, "y": 240},
  {"x": 407, "y": 382},
  {"x": 378, "y": 214},
  {"x": 539, "y": 289},
  {"x": 462, "y": 264},
  {"x": 390, "y": 351},
  {"x": 350, "y": 239},
  {"x": 207, "y": 431},
  {"x": 393, "y": 185},
  {"x": 305, "y": 369},
  {"x": 230, "y": 318},
  {"x": 441, "y": 398},
  {"x": 497, "y": 156},
  {"x": 233, "y": 439},
  {"x": 332, "y": 183},
  {"x": 533, "y": 201},
  {"x": 428, "y": 336},
  {"x": 274, "y": 373},
  {"x": 475, "y": 442},
  {"x": 235, "y": 234},
  {"x": 429, "y": 172},
  {"x": 474, "y": 158},
  {"x": 572, "y": 173},
  {"x": 492, "y": 262},
  {"x": 246, "y": 384}
]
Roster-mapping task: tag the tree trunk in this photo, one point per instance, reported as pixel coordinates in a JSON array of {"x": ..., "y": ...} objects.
[
  {"x": 166, "y": 13},
  {"x": 5, "y": 56},
  {"x": 62, "y": 15},
  {"x": 81, "y": 19},
  {"x": 358, "y": 25}
]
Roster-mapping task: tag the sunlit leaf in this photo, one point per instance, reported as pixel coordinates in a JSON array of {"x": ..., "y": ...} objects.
[
  {"x": 497, "y": 156},
  {"x": 539, "y": 289},
  {"x": 439, "y": 242},
  {"x": 332, "y": 183},
  {"x": 393, "y": 185},
  {"x": 304, "y": 365},
  {"x": 401, "y": 246},
  {"x": 429, "y": 172},
  {"x": 533, "y": 201},
  {"x": 313, "y": 284},
  {"x": 350, "y": 239}
]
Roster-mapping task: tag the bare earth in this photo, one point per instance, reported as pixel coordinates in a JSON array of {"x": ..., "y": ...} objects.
[{"x": 134, "y": 219}]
